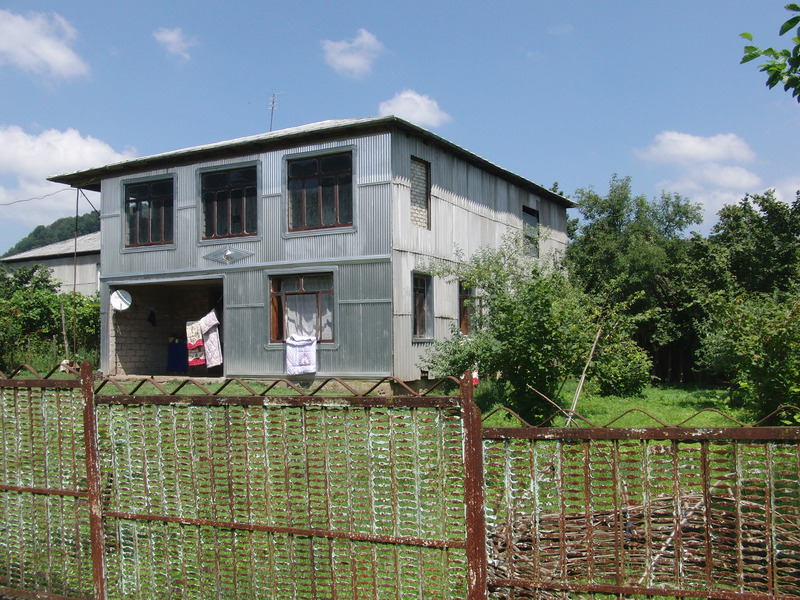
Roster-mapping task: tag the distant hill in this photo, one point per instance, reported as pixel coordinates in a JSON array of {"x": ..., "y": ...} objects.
[{"x": 60, "y": 230}]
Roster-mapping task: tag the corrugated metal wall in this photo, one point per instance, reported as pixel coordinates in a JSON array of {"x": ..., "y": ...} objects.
[
  {"x": 362, "y": 323},
  {"x": 83, "y": 271},
  {"x": 470, "y": 209}
]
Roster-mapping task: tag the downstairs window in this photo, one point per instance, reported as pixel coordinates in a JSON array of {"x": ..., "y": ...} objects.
[{"x": 301, "y": 305}]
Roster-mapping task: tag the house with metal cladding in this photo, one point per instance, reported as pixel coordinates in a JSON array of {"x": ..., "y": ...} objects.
[{"x": 299, "y": 251}]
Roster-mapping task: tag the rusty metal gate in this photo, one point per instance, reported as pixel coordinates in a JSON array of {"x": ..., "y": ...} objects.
[
  {"x": 272, "y": 494},
  {"x": 662, "y": 511}
]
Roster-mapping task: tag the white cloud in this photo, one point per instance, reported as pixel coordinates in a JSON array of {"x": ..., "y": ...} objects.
[
  {"x": 674, "y": 147},
  {"x": 708, "y": 169},
  {"x": 27, "y": 160},
  {"x": 355, "y": 58},
  {"x": 417, "y": 108},
  {"x": 41, "y": 44},
  {"x": 730, "y": 177},
  {"x": 174, "y": 41}
]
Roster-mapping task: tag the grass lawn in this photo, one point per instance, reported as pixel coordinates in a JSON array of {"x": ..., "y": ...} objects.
[{"x": 666, "y": 405}]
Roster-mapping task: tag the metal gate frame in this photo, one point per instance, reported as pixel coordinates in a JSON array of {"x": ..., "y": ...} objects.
[{"x": 451, "y": 562}]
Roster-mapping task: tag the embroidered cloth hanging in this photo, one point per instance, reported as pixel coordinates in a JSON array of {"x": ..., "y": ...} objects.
[{"x": 202, "y": 341}]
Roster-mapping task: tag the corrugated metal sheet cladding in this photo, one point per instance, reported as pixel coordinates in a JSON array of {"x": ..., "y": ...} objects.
[
  {"x": 371, "y": 234},
  {"x": 363, "y": 337},
  {"x": 245, "y": 333},
  {"x": 245, "y": 288},
  {"x": 470, "y": 207}
]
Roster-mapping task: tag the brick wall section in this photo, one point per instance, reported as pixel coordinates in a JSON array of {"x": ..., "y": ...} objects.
[
  {"x": 140, "y": 347},
  {"x": 419, "y": 193}
]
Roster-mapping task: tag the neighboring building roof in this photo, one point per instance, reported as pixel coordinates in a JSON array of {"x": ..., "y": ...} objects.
[
  {"x": 90, "y": 178},
  {"x": 84, "y": 244}
]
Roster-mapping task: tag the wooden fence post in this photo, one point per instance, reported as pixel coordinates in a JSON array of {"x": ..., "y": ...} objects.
[
  {"x": 474, "y": 493},
  {"x": 93, "y": 482}
]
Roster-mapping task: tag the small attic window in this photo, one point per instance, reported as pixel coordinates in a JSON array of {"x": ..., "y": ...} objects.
[
  {"x": 530, "y": 229},
  {"x": 420, "y": 193}
]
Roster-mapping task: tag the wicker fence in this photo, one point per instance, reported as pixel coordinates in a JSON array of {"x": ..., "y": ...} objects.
[
  {"x": 659, "y": 511},
  {"x": 280, "y": 492}
]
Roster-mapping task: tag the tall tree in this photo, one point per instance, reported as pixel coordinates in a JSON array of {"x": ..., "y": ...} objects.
[
  {"x": 754, "y": 247},
  {"x": 748, "y": 278},
  {"x": 626, "y": 251}
]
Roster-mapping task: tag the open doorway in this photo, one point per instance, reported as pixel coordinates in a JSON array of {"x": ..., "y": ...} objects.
[{"x": 149, "y": 338}]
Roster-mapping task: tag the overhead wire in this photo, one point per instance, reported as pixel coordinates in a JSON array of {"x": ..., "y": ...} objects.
[{"x": 36, "y": 198}]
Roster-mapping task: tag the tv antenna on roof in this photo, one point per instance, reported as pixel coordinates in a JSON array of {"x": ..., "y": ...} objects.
[{"x": 273, "y": 101}]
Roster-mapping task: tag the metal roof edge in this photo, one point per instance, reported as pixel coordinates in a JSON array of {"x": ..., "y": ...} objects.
[
  {"x": 86, "y": 244},
  {"x": 91, "y": 178}
]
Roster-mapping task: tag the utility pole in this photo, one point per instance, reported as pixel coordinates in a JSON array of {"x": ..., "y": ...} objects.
[{"x": 273, "y": 100}]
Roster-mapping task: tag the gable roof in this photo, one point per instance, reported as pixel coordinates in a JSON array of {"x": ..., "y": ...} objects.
[
  {"x": 90, "y": 178},
  {"x": 84, "y": 244}
]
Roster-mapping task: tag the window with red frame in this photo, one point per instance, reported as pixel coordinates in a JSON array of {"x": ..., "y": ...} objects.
[
  {"x": 230, "y": 202},
  {"x": 320, "y": 190},
  {"x": 149, "y": 213}
]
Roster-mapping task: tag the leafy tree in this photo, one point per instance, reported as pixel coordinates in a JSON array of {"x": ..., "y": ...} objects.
[
  {"x": 748, "y": 278},
  {"x": 30, "y": 319},
  {"x": 528, "y": 325},
  {"x": 754, "y": 247},
  {"x": 626, "y": 251},
  {"x": 754, "y": 340},
  {"x": 782, "y": 66}
]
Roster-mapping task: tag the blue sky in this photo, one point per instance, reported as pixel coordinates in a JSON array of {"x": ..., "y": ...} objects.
[{"x": 567, "y": 91}]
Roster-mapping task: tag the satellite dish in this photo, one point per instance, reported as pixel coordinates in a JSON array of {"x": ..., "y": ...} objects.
[{"x": 120, "y": 299}]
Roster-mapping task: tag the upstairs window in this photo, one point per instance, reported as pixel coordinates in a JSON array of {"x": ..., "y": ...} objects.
[
  {"x": 530, "y": 229},
  {"x": 420, "y": 193},
  {"x": 301, "y": 305},
  {"x": 148, "y": 213},
  {"x": 320, "y": 192},
  {"x": 230, "y": 202}
]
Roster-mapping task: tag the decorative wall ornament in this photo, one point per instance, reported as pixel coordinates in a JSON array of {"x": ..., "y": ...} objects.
[{"x": 227, "y": 256}]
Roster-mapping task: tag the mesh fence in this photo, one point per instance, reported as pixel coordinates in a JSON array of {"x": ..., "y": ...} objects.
[
  {"x": 248, "y": 498},
  {"x": 273, "y": 491},
  {"x": 45, "y": 544}
]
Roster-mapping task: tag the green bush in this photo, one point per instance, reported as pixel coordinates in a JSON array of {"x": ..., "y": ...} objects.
[
  {"x": 753, "y": 340},
  {"x": 529, "y": 326},
  {"x": 621, "y": 368}
]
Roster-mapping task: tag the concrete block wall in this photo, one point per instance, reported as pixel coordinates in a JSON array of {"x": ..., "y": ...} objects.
[{"x": 139, "y": 336}]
